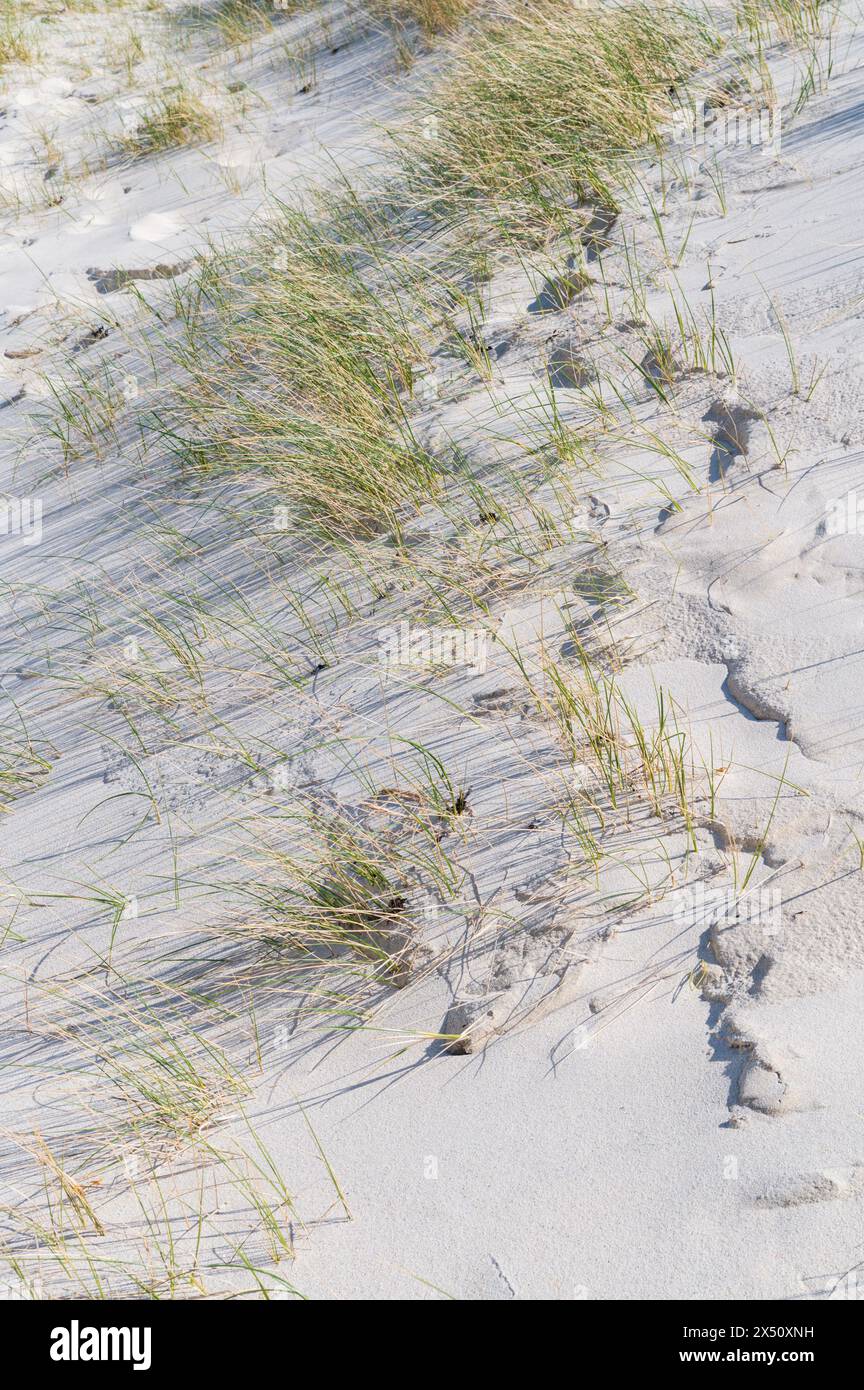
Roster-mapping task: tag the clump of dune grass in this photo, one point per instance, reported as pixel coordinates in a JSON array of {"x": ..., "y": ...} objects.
[
  {"x": 336, "y": 891},
  {"x": 177, "y": 119},
  {"x": 15, "y": 44},
  {"x": 141, "y": 1058},
  {"x": 545, "y": 103},
  {"x": 235, "y": 21},
  {"x": 22, "y": 766},
  {"x": 307, "y": 368},
  {"x": 795, "y": 20},
  {"x": 21, "y": 769},
  {"x": 312, "y": 355},
  {"x": 238, "y": 21},
  {"x": 627, "y": 762},
  {"x": 337, "y": 899},
  {"x": 431, "y": 16}
]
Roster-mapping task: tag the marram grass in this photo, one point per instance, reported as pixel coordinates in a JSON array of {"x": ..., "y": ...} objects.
[
  {"x": 308, "y": 366},
  {"x": 546, "y": 102},
  {"x": 177, "y": 119},
  {"x": 307, "y": 369},
  {"x": 431, "y": 16}
]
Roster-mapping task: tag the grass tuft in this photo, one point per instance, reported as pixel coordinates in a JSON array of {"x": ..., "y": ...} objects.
[
  {"x": 316, "y": 358},
  {"x": 177, "y": 119},
  {"x": 431, "y": 16},
  {"x": 544, "y": 103},
  {"x": 15, "y": 46}
]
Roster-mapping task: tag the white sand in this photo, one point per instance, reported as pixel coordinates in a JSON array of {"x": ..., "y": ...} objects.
[{"x": 610, "y": 1141}]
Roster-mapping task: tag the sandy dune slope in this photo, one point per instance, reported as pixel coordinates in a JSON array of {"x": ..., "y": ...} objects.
[{"x": 605, "y": 1038}]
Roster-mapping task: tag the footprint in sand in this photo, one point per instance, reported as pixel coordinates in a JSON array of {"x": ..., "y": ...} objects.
[
  {"x": 567, "y": 369},
  {"x": 156, "y": 227}
]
